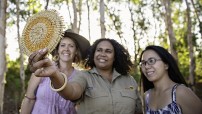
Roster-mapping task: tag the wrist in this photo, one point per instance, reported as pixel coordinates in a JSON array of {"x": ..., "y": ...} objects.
[
  {"x": 63, "y": 86},
  {"x": 30, "y": 97},
  {"x": 56, "y": 74}
]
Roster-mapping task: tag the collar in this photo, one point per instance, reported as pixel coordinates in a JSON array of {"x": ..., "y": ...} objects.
[{"x": 115, "y": 74}]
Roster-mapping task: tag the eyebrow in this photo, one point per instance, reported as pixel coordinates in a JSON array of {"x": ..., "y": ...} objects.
[{"x": 150, "y": 58}]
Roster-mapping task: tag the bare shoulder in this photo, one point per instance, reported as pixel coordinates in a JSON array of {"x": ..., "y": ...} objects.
[
  {"x": 184, "y": 92},
  {"x": 188, "y": 100}
]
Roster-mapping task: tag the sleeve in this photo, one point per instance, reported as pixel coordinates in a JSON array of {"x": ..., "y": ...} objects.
[
  {"x": 138, "y": 106},
  {"x": 80, "y": 78}
]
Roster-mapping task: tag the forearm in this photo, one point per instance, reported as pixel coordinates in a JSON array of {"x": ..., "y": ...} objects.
[
  {"x": 71, "y": 91},
  {"x": 27, "y": 106}
]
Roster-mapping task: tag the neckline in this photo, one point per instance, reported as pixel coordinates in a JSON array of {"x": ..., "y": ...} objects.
[
  {"x": 165, "y": 107},
  {"x": 168, "y": 105}
]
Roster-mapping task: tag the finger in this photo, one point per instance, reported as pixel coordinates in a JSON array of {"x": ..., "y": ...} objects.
[
  {"x": 46, "y": 62},
  {"x": 40, "y": 55},
  {"x": 45, "y": 71},
  {"x": 30, "y": 59},
  {"x": 39, "y": 72}
]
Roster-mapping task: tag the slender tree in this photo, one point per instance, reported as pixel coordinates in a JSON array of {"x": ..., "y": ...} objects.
[
  {"x": 197, "y": 16},
  {"x": 3, "y": 68},
  {"x": 47, "y": 3},
  {"x": 74, "y": 27},
  {"x": 190, "y": 46},
  {"x": 88, "y": 10},
  {"x": 102, "y": 18},
  {"x": 22, "y": 73},
  {"x": 169, "y": 26}
]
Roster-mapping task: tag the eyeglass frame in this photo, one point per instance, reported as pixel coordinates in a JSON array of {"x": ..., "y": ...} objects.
[{"x": 144, "y": 63}]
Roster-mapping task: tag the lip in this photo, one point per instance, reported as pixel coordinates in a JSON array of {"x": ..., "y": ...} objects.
[
  {"x": 66, "y": 54},
  {"x": 149, "y": 73},
  {"x": 102, "y": 60}
]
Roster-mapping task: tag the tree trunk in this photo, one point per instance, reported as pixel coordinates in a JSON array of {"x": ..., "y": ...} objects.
[
  {"x": 102, "y": 18},
  {"x": 190, "y": 46},
  {"x": 136, "y": 43},
  {"x": 22, "y": 73},
  {"x": 74, "y": 27},
  {"x": 197, "y": 16},
  {"x": 88, "y": 7},
  {"x": 46, "y": 6},
  {"x": 168, "y": 20},
  {"x": 70, "y": 18},
  {"x": 80, "y": 13},
  {"x": 3, "y": 4}
]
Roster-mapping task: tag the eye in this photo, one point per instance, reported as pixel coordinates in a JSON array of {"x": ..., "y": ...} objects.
[
  {"x": 72, "y": 45},
  {"x": 151, "y": 61},
  {"x": 98, "y": 50},
  {"x": 108, "y": 51},
  {"x": 142, "y": 63},
  {"x": 62, "y": 45}
]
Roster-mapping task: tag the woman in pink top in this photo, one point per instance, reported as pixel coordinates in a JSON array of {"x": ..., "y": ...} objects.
[{"x": 39, "y": 97}]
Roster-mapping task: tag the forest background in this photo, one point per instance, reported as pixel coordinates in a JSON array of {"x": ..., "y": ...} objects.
[{"x": 173, "y": 24}]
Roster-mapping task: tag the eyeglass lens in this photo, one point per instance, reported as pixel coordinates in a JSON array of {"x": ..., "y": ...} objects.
[{"x": 150, "y": 61}]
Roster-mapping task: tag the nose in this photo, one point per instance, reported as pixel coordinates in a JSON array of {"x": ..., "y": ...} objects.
[
  {"x": 102, "y": 54},
  {"x": 66, "y": 48}
]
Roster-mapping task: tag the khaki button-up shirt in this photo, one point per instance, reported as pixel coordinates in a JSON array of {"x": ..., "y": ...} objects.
[{"x": 102, "y": 97}]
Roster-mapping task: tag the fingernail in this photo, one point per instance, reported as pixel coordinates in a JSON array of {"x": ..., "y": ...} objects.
[
  {"x": 41, "y": 50},
  {"x": 41, "y": 69},
  {"x": 44, "y": 49}
]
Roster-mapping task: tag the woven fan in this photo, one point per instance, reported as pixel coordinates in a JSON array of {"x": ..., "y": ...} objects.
[{"x": 44, "y": 29}]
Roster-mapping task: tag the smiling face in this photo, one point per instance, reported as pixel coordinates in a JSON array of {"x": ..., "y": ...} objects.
[
  {"x": 104, "y": 55},
  {"x": 153, "y": 67},
  {"x": 67, "y": 50}
]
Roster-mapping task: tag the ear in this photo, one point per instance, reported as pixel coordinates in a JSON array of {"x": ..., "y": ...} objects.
[{"x": 166, "y": 66}]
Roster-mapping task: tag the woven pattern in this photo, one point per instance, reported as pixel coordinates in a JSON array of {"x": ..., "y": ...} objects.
[{"x": 44, "y": 29}]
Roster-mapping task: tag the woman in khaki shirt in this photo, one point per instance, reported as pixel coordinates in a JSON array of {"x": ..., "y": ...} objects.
[{"x": 106, "y": 88}]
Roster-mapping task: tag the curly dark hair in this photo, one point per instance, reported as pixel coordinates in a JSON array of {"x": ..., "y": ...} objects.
[
  {"x": 122, "y": 62},
  {"x": 173, "y": 69}
]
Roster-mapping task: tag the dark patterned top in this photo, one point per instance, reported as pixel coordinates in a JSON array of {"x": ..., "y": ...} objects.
[{"x": 172, "y": 108}]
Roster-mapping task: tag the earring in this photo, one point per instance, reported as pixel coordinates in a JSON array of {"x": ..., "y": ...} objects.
[{"x": 56, "y": 58}]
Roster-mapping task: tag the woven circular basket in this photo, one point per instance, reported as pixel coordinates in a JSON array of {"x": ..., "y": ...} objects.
[{"x": 42, "y": 30}]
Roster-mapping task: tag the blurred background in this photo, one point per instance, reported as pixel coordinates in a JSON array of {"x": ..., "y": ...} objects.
[{"x": 175, "y": 25}]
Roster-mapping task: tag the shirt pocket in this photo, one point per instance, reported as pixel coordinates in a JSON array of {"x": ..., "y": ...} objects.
[
  {"x": 93, "y": 93},
  {"x": 129, "y": 94},
  {"x": 126, "y": 104},
  {"x": 96, "y": 100}
]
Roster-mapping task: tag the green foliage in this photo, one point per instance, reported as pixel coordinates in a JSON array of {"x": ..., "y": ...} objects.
[
  {"x": 26, "y": 9},
  {"x": 13, "y": 75},
  {"x": 198, "y": 69},
  {"x": 60, "y": 1},
  {"x": 136, "y": 1},
  {"x": 136, "y": 74}
]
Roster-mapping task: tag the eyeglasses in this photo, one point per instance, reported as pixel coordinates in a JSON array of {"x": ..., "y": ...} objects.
[{"x": 150, "y": 61}]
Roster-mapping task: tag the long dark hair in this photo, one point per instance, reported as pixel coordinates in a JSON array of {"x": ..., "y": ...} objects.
[
  {"x": 173, "y": 69},
  {"x": 122, "y": 62}
]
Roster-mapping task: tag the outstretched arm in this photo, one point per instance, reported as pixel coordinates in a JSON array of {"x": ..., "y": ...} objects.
[{"x": 42, "y": 66}]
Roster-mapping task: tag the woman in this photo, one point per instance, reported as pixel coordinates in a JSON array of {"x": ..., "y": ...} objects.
[
  {"x": 39, "y": 98},
  {"x": 106, "y": 88},
  {"x": 165, "y": 88}
]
